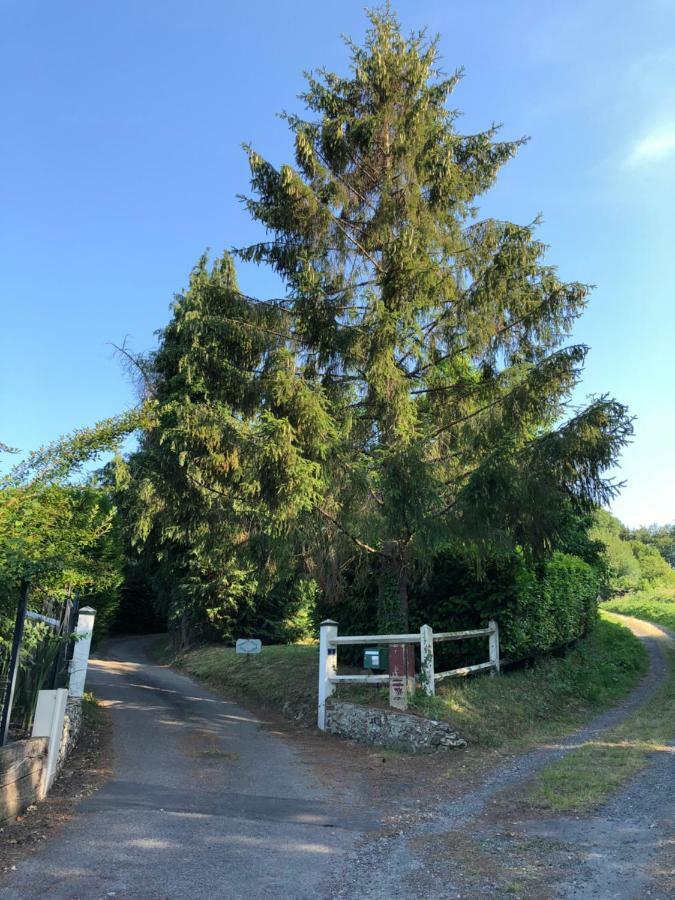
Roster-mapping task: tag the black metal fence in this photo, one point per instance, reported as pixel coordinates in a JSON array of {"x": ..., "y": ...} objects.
[{"x": 35, "y": 661}]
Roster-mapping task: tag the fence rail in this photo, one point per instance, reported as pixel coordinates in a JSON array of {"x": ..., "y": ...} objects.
[
  {"x": 379, "y": 639},
  {"x": 330, "y": 640}
]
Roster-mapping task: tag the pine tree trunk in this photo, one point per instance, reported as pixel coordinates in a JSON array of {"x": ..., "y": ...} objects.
[
  {"x": 403, "y": 595},
  {"x": 184, "y": 632},
  {"x": 392, "y": 607}
]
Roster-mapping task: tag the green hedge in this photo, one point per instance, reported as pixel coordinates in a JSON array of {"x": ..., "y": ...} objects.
[
  {"x": 539, "y": 608},
  {"x": 550, "y": 610}
]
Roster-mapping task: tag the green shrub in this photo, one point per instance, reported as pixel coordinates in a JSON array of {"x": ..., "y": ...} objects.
[
  {"x": 538, "y": 608},
  {"x": 653, "y": 567},
  {"x": 550, "y": 610}
]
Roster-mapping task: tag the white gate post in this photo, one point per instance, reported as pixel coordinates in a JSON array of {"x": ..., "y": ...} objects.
[
  {"x": 427, "y": 660},
  {"x": 78, "y": 664},
  {"x": 48, "y": 722},
  {"x": 327, "y": 666},
  {"x": 494, "y": 646}
]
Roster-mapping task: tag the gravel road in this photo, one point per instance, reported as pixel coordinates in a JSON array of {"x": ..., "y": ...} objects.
[
  {"x": 203, "y": 802},
  {"x": 486, "y": 842}
]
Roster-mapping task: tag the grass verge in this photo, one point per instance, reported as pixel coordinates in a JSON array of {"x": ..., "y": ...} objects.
[
  {"x": 282, "y": 677},
  {"x": 517, "y": 709},
  {"x": 647, "y": 606},
  {"x": 587, "y": 775},
  {"x": 548, "y": 699}
]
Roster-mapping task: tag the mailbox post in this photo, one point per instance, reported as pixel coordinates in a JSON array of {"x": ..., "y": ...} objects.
[{"x": 401, "y": 674}]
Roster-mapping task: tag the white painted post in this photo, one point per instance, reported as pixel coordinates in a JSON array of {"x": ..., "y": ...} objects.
[
  {"x": 327, "y": 666},
  {"x": 48, "y": 722},
  {"x": 427, "y": 660},
  {"x": 494, "y": 646},
  {"x": 78, "y": 664}
]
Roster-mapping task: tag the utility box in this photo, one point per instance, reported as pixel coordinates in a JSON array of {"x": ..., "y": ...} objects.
[{"x": 376, "y": 658}]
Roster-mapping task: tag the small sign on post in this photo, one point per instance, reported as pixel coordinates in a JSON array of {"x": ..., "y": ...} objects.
[
  {"x": 401, "y": 674},
  {"x": 249, "y": 645}
]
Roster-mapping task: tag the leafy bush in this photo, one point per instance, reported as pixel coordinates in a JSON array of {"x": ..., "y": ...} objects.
[
  {"x": 37, "y": 665},
  {"x": 630, "y": 563},
  {"x": 549, "y": 611},
  {"x": 653, "y": 567},
  {"x": 538, "y": 608},
  {"x": 538, "y": 611}
]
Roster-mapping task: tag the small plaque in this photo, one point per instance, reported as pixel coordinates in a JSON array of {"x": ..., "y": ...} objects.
[
  {"x": 398, "y": 691},
  {"x": 249, "y": 645}
]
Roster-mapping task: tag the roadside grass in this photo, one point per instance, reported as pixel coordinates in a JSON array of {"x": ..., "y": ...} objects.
[
  {"x": 655, "y": 606},
  {"x": 517, "y": 709},
  {"x": 282, "y": 676},
  {"x": 547, "y": 700},
  {"x": 92, "y": 712},
  {"x": 587, "y": 775}
]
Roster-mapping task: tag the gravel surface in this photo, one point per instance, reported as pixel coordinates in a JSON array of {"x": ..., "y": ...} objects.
[
  {"x": 627, "y": 849},
  {"x": 484, "y": 844}
]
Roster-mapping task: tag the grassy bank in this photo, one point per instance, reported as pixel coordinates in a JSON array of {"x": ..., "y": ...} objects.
[
  {"x": 516, "y": 709},
  {"x": 548, "y": 699},
  {"x": 586, "y": 776},
  {"x": 282, "y": 677},
  {"x": 654, "y": 606}
]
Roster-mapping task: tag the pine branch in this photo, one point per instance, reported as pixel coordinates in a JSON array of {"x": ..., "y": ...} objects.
[{"x": 355, "y": 540}]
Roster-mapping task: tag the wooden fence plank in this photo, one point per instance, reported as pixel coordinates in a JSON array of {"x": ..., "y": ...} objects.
[
  {"x": 465, "y": 670},
  {"x": 461, "y": 635},
  {"x": 362, "y": 679},
  {"x": 377, "y": 639}
]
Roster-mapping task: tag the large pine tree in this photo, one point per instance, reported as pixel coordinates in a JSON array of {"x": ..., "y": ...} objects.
[
  {"x": 437, "y": 337},
  {"x": 408, "y": 393}
]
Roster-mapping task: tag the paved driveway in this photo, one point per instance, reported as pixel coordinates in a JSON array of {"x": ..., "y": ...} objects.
[{"x": 203, "y": 802}]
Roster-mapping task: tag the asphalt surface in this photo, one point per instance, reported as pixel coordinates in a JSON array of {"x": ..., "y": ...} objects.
[{"x": 203, "y": 802}]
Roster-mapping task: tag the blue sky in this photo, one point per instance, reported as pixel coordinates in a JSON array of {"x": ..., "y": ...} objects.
[{"x": 120, "y": 162}]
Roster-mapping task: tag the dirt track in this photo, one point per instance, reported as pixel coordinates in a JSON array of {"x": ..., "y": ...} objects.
[{"x": 485, "y": 842}]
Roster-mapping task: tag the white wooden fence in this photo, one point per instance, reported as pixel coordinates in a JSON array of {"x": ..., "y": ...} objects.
[{"x": 329, "y": 640}]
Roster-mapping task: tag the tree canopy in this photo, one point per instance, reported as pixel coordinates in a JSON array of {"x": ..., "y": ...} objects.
[{"x": 409, "y": 392}]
